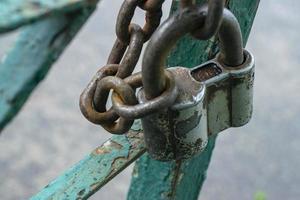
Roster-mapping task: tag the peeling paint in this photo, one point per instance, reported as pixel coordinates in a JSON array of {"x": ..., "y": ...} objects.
[
  {"x": 93, "y": 172},
  {"x": 30, "y": 60}
]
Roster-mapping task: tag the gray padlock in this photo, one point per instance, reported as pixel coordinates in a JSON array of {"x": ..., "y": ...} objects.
[{"x": 212, "y": 97}]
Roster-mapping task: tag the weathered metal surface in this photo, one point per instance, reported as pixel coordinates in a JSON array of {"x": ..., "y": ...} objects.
[
  {"x": 177, "y": 132},
  {"x": 15, "y": 13},
  {"x": 90, "y": 174},
  {"x": 228, "y": 93},
  {"x": 157, "y": 180},
  {"x": 165, "y": 142},
  {"x": 37, "y": 48}
]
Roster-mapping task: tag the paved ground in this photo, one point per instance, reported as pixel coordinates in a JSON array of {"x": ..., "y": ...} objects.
[{"x": 50, "y": 134}]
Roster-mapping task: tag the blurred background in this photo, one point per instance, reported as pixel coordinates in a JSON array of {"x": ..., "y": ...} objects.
[{"x": 49, "y": 135}]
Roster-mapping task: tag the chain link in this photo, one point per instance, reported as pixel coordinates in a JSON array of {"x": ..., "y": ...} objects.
[
  {"x": 213, "y": 12},
  {"x": 126, "y": 13},
  {"x": 126, "y": 51},
  {"x": 146, "y": 106},
  {"x": 186, "y": 3}
]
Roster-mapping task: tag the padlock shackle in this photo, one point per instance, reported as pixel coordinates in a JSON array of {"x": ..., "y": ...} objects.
[
  {"x": 183, "y": 22},
  {"x": 231, "y": 40}
]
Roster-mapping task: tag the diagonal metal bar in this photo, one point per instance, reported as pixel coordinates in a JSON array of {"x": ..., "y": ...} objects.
[
  {"x": 15, "y": 13},
  {"x": 90, "y": 174},
  {"x": 38, "y": 47}
]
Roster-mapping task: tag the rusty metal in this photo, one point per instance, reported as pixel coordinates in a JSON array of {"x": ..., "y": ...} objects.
[
  {"x": 90, "y": 108},
  {"x": 117, "y": 52},
  {"x": 93, "y": 106},
  {"x": 121, "y": 63},
  {"x": 133, "y": 52},
  {"x": 126, "y": 14},
  {"x": 126, "y": 93},
  {"x": 145, "y": 108},
  {"x": 180, "y": 131}
]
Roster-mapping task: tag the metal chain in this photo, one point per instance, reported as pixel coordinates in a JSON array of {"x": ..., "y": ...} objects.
[
  {"x": 120, "y": 64},
  {"x": 126, "y": 51}
]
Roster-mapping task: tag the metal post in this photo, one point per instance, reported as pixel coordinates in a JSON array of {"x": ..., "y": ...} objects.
[{"x": 183, "y": 180}]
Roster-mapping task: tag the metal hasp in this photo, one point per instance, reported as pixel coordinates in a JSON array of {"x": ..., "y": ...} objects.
[
  {"x": 211, "y": 98},
  {"x": 228, "y": 97}
]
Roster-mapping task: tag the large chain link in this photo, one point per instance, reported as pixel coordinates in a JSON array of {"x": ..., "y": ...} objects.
[{"x": 126, "y": 51}]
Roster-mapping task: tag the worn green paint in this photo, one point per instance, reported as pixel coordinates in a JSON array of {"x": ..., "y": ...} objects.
[
  {"x": 94, "y": 171},
  {"x": 38, "y": 47},
  {"x": 15, "y": 13},
  {"x": 183, "y": 180}
]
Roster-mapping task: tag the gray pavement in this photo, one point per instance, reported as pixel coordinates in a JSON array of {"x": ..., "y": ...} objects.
[{"x": 50, "y": 134}]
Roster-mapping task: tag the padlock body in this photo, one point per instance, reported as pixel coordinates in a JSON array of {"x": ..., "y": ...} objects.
[
  {"x": 178, "y": 132},
  {"x": 212, "y": 97}
]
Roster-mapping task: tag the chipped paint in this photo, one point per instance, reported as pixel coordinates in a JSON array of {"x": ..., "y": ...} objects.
[
  {"x": 93, "y": 172},
  {"x": 175, "y": 133},
  {"x": 30, "y": 60}
]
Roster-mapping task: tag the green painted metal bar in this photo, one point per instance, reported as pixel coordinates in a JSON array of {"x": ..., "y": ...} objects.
[
  {"x": 15, "y": 13},
  {"x": 183, "y": 180},
  {"x": 94, "y": 171},
  {"x": 38, "y": 47}
]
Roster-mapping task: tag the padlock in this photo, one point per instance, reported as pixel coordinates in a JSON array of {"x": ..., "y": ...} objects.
[{"x": 212, "y": 97}]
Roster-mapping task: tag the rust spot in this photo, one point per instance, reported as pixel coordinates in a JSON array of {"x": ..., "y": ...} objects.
[
  {"x": 116, "y": 166},
  {"x": 206, "y": 72},
  {"x": 101, "y": 150},
  {"x": 107, "y": 147},
  {"x": 175, "y": 178}
]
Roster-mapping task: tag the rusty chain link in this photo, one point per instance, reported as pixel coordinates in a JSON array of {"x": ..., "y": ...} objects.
[
  {"x": 126, "y": 51},
  {"x": 213, "y": 12}
]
